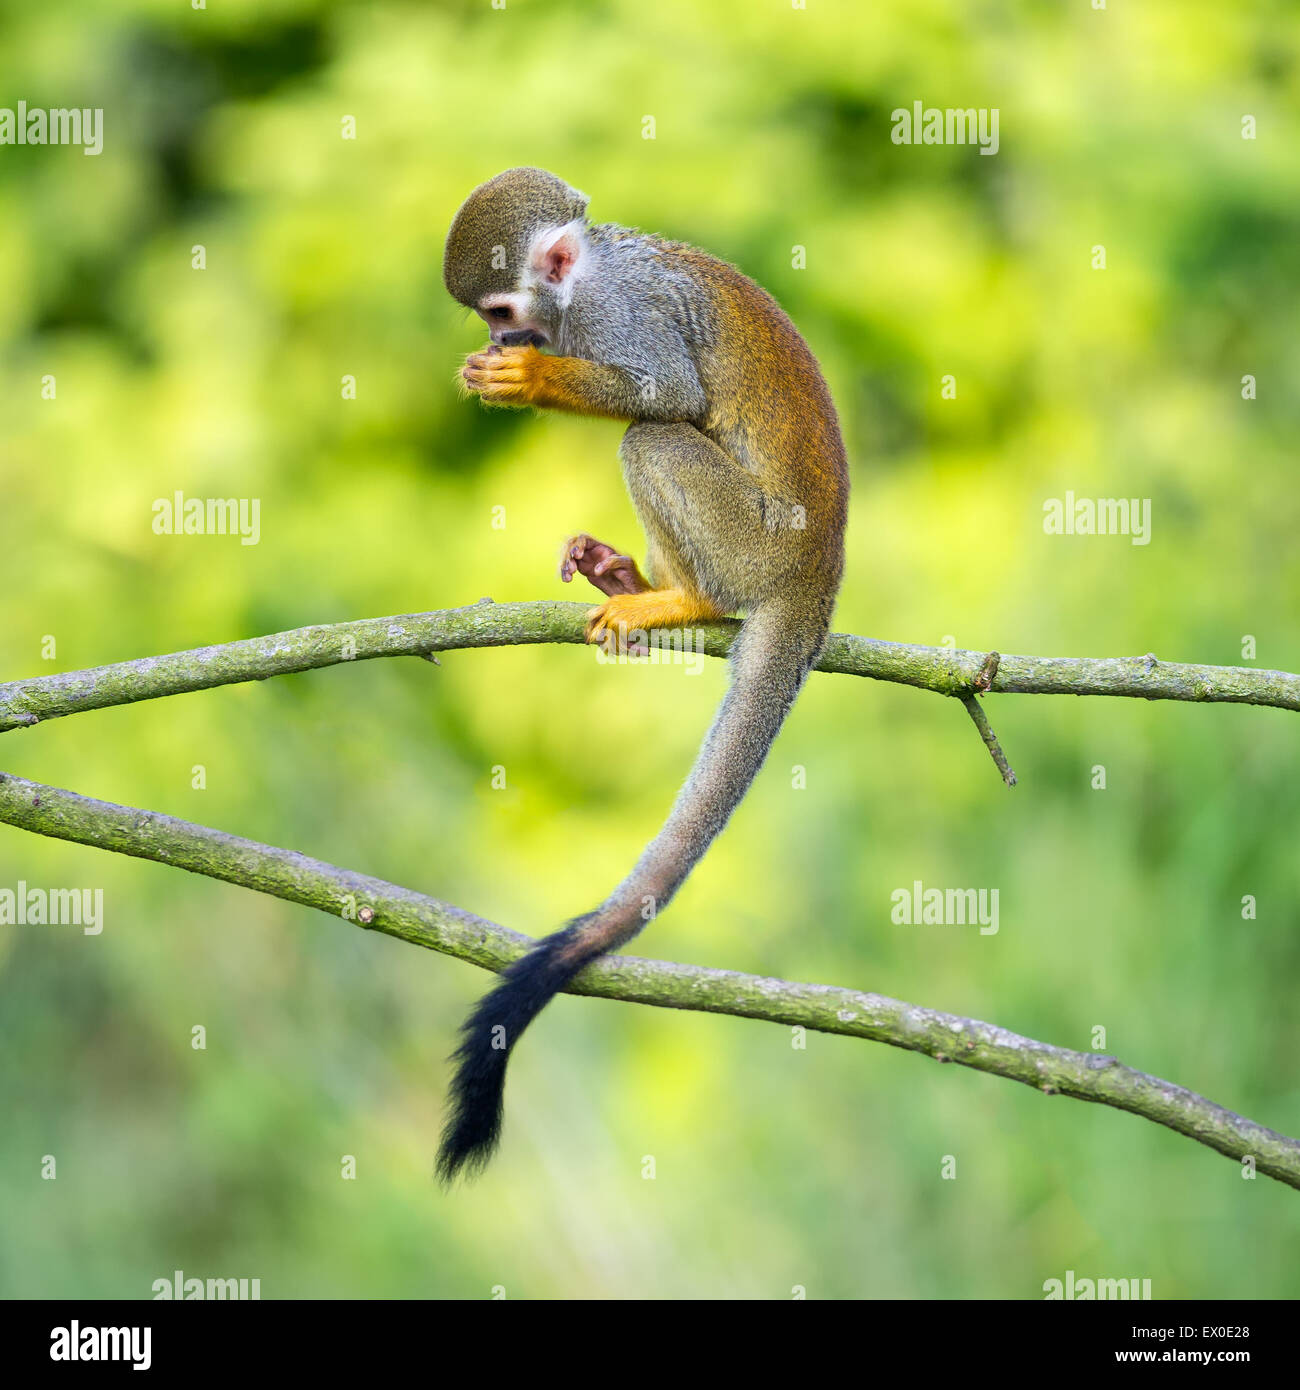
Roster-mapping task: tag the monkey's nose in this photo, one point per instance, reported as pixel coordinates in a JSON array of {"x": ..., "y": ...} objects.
[{"x": 521, "y": 337}]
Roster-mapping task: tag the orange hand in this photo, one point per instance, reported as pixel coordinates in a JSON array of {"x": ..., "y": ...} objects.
[
  {"x": 524, "y": 376},
  {"x": 505, "y": 376}
]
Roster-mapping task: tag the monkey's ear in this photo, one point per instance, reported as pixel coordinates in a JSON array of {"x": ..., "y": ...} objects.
[{"x": 556, "y": 255}]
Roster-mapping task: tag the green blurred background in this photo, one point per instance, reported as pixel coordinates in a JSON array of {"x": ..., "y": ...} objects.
[{"x": 774, "y": 1167}]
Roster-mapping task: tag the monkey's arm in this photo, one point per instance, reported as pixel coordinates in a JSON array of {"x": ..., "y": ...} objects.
[{"x": 524, "y": 376}]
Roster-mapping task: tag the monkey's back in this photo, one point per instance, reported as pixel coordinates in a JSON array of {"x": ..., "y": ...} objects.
[{"x": 768, "y": 403}]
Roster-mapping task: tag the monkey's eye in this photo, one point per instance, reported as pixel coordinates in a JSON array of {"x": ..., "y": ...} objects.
[{"x": 499, "y": 311}]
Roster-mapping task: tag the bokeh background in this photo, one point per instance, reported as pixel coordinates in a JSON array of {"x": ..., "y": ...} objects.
[{"x": 775, "y": 1167}]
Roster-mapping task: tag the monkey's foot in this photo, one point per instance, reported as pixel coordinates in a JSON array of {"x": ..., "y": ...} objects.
[
  {"x": 601, "y": 565},
  {"x": 613, "y": 623},
  {"x": 503, "y": 375}
]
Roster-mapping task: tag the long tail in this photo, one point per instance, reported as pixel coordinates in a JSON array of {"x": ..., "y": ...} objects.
[{"x": 776, "y": 648}]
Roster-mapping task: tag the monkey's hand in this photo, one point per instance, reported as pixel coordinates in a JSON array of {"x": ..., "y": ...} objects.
[
  {"x": 601, "y": 566},
  {"x": 524, "y": 376},
  {"x": 505, "y": 375}
]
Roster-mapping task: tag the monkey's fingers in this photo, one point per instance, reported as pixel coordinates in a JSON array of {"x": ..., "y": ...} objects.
[
  {"x": 501, "y": 376},
  {"x": 602, "y": 566},
  {"x": 488, "y": 374},
  {"x": 497, "y": 390},
  {"x": 618, "y": 575},
  {"x": 484, "y": 360},
  {"x": 602, "y": 631},
  {"x": 614, "y": 635},
  {"x": 502, "y": 358},
  {"x": 571, "y": 552}
]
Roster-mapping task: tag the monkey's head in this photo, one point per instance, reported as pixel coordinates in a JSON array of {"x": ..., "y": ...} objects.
[{"x": 513, "y": 251}]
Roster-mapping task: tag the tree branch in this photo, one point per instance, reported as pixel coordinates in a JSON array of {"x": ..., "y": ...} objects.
[
  {"x": 486, "y": 624},
  {"x": 425, "y": 921}
]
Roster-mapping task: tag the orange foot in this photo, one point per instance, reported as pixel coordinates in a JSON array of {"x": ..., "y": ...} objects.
[{"x": 616, "y": 618}]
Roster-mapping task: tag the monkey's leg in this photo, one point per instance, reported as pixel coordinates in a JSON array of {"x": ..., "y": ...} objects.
[
  {"x": 601, "y": 565},
  {"x": 715, "y": 538},
  {"x": 712, "y": 528}
]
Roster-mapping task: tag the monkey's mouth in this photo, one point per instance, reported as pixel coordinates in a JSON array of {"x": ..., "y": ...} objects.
[{"x": 523, "y": 337}]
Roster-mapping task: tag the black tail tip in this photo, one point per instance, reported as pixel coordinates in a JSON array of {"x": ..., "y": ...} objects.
[
  {"x": 487, "y": 1037},
  {"x": 474, "y": 1125},
  {"x": 465, "y": 1153}
]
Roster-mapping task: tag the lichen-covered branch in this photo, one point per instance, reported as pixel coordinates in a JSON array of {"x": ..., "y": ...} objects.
[
  {"x": 425, "y": 921},
  {"x": 487, "y": 624}
]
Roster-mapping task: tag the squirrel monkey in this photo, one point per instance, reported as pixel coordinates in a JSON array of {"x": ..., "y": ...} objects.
[{"x": 734, "y": 461}]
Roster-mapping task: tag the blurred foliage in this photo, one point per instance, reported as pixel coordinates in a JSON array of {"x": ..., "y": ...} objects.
[{"x": 775, "y": 1166}]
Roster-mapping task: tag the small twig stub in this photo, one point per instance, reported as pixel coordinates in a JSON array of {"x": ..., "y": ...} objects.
[{"x": 976, "y": 712}]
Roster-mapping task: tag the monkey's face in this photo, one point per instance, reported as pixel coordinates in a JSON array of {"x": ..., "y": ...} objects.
[
  {"x": 512, "y": 320},
  {"x": 512, "y": 251},
  {"x": 531, "y": 313}
]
